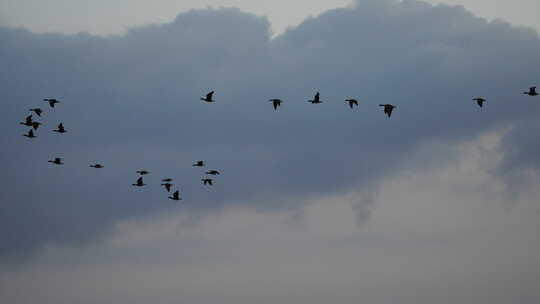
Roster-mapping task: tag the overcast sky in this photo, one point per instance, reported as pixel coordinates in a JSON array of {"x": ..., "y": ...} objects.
[
  {"x": 116, "y": 16},
  {"x": 315, "y": 203}
]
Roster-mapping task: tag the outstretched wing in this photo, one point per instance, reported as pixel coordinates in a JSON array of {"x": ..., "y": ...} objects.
[
  {"x": 139, "y": 180},
  {"x": 317, "y": 96},
  {"x": 209, "y": 95}
]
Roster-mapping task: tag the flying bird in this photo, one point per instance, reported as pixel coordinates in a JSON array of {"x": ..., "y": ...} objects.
[
  {"x": 167, "y": 186},
  {"x": 276, "y": 103},
  {"x": 532, "y": 92},
  {"x": 167, "y": 180},
  {"x": 51, "y": 101},
  {"x": 176, "y": 196},
  {"x": 480, "y": 101},
  {"x": 60, "y": 129},
  {"x": 352, "y": 102},
  {"x": 38, "y": 111},
  {"x": 316, "y": 99},
  {"x": 213, "y": 172},
  {"x": 208, "y": 97},
  {"x": 388, "y": 108},
  {"x": 97, "y": 166},
  {"x": 199, "y": 163},
  {"x": 27, "y": 121},
  {"x": 56, "y": 161},
  {"x": 207, "y": 181},
  {"x": 139, "y": 183},
  {"x": 143, "y": 172},
  {"x": 35, "y": 125},
  {"x": 30, "y": 134}
]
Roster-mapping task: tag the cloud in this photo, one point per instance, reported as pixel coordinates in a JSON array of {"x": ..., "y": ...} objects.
[{"x": 132, "y": 102}]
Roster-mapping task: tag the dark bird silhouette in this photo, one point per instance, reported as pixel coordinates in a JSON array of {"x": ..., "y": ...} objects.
[
  {"x": 97, "y": 166},
  {"x": 199, "y": 163},
  {"x": 352, "y": 102},
  {"x": 60, "y": 129},
  {"x": 213, "y": 172},
  {"x": 57, "y": 161},
  {"x": 143, "y": 172},
  {"x": 167, "y": 186},
  {"x": 207, "y": 181},
  {"x": 139, "y": 183},
  {"x": 276, "y": 103},
  {"x": 38, "y": 111},
  {"x": 480, "y": 101},
  {"x": 27, "y": 121},
  {"x": 175, "y": 196},
  {"x": 316, "y": 99},
  {"x": 167, "y": 180},
  {"x": 208, "y": 97},
  {"x": 388, "y": 108},
  {"x": 30, "y": 134},
  {"x": 51, "y": 101},
  {"x": 35, "y": 125},
  {"x": 532, "y": 92}
]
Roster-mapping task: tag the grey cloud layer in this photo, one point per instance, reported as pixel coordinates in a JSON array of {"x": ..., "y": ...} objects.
[{"x": 131, "y": 102}]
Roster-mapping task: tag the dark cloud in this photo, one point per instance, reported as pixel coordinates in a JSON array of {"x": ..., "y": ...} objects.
[{"x": 132, "y": 102}]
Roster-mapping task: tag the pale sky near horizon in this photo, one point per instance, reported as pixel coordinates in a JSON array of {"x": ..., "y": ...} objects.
[{"x": 114, "y": 17}]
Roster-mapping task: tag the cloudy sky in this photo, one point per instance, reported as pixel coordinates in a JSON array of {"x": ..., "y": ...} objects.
[{"x": 315, "y": 203}]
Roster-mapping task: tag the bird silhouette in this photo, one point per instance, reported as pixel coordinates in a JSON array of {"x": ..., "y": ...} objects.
[
  {"x": 532, "y": 92},
  {"x": 208, "y": 97},
  {"x": 97, "y": 166},
  {"x": 143, "y": 172},
  {"x": 60, "y": 129},
  {"x": 207, "y": 181},
  {"x": 27, "y": 121},
  {"x": 276, "y": 103},
  {"x": 56, "y": 161},
  {"x": 30, "y": 134},
  {"x": 176, "y": 196},
  {"x": 51, "y": 101},
  {"x": 199, "y": 163},
  {"x": 167, "y": 186},
  {"x": 38, "y": 111},
  {"x": 167, "y": 180},
  {"x": 213, "y": 172},
  {"x": 35, "y": 125},
  {"x": 480, "y": 101},
  {"x": 352, "y": 102},
  {"x": 388, "y": 108},
  {"x": 139, "y": 183},
  {"x": 316, "y": 99}
]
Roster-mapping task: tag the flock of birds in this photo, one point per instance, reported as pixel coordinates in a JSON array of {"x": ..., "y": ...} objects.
[{"x": 167, "y": 182}]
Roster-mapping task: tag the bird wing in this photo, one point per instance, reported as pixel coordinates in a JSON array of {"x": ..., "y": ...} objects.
[
  {"x": 317, "y": 96},
  {"x": 139, "y": 180},
  {"x": 209, "y": 95},
  {"x": 533, "y": 89}
]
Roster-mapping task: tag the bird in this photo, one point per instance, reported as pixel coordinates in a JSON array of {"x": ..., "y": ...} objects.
[
  {"x": 388, "y": 108},
  {"x": 35, "y": 125},
  {"x": 208, "y": 97},
  {"x": 167, "y": 186},
  {"x": 27, "y": 121},
  {"x": 316, "y": 99},
  {"x": 60, "y": 129},
  {"x": 30, "y": 134},
  {"x": 167, "y": 180},
  {"x": 276, "y": 103},
  {"x": 56, "y": 161},
  {"x": 352, "y": 102},
  {"x": 199, "y": 163},
  {"x": 139, "y": 183},
  {"x": 213, "y": 172},
  {"x": 480, "y": 101},
  {"x": 38, "y": 111},
  {"x": 51, "y": 101},
  {"x": 143, "y": 172},
  {"x": 532, "y": 92},
  {"x": 207, "y": 181},
  {"x": 175, "y": 196},
  {"x": 97, "y": 166}
]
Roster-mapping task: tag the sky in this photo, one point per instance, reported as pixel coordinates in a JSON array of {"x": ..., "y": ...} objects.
[{"x": 315, "y": 203}]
